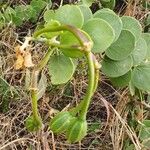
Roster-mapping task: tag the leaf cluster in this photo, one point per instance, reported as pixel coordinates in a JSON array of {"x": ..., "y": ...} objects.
[{"x": 20, "y": 13}]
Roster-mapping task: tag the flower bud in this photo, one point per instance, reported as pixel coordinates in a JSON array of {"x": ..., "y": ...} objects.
[
  {"x": 77, "y": 130},
  {"x": 60, "y": 122}
]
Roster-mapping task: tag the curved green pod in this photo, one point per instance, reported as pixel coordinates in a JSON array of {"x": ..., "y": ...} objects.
[
  {"x": 77, "y": 130},
  {"x": 60, "y": 122}
]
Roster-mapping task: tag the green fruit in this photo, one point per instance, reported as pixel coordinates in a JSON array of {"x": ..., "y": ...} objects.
[
  {"x": 60, "y": 122},
  {"x": 32, "y": 124},
  {"x": 77, "y": 130}
]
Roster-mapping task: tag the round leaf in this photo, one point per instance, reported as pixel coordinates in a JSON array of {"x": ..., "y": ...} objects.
[
  {"x": 69, "y": 39},
  {"x": 108, "y": 4},
  {"x": 133, "y": 25},
  {"x": 146, "y": 37},
  {"x": 87, "y": 14},
  {"x": 101, "y": 33},
  {"x": 141, "y": 77},
  {"x": 61, "y": 69},
  {"x": 140, "y": 51},
  {"x": 121, "y": 81},
  {"x": 123, "y": 47},
  {"x": 49, "y": 15},
  {"x": 114, "y": 20},
  {"x": 116, "y": 68},
  {"x": 71, "y": 15}
]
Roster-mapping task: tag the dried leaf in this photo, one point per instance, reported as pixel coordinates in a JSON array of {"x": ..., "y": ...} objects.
[
  {"x": 19, "y": 62},
  {"x": 42, "y": 86},
  {"x": 27, "y": 79},
  {"x": 28, "y": 60}
]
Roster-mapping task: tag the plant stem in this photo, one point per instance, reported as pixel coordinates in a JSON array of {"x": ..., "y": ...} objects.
[
  {"x": 97, "y": 76},
  {"x": 81, "y": 36},
  {"x": 44, "y": 60},
  {"x": 34, "y": 93},
  {"x": 34, "y": 104},
  {"x": 73, "y": 47},
  {"x": 89, "y": 92}
]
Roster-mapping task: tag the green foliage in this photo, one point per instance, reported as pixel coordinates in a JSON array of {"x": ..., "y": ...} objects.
[
  {"x": 123, "y": 47},
  {"x": 101, "y": 33},
  {"x": 87, "y": 13},
  {"x": 71, "y": 15},
  {"x": 133, "y": 25},
  {"x": 108, "y": 3},
  {"x": 110, "y": 17},
  {"x": 6, "y": 93},
  {"x": 122, "y": 81},
  {"x": 68, "y": 38},
  {"x": 116, "y": 68},
  {"x": 145, "y": 133},
  {"x": 21, "y": 13},
  {"x": 146, "y": 37},
  {"x": 140, "y": 76},
  {"x": 57, "y": 69},
  {"x": 140, "y": 51}
]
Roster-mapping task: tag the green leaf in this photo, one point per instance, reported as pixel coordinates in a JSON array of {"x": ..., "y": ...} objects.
[
  {"x": 38, "y": 5},
  {"x": 42, "y": 86},
  {"x": 147, "y": 22},
  {"x": 69, "y": 39},
  {"x": 123, "y": 47},
  {"x": 122, "y": 81},
  {"x": 108, "y": 4},
  {"x": 113, "y": 20},
  {"x": 30, "y": 13},
  {"x": 20, "y": 15},
  {"x": 116, "y": 68},
  {"x": 133, "y": 25},
  {"x": 71, "y": 15},
  {"x": 141, "y": 77},
  {"x": 146, "y": 37},
  {"x": 51, "y": 24},
  {"x": 87, "y": 13},
  {"x": 8, "y": 14},
  {"x": 144, "y": 133},
  {"x": 140, "y": 51},
  {"x": 61, "y": 69},
  {"x": 49, "y": 15},
  {"x": 101, "y": 33}
]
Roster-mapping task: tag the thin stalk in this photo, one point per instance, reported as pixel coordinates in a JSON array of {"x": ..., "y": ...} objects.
[
  {"x": 76, "y": 109},
  {"x": 44, "y": 60},
  {"x": 89, "y": 92},
  {"x": 73, "y": 47},
  {"x": 34, "y": 104},
  {"x": 81, "y": 36},
  {"x": 34, "y": 92},
  {"x": 97, "y": 76}
]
